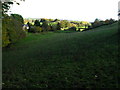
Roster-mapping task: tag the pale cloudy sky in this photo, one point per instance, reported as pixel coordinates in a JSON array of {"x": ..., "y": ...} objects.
[{"x": 82, "y": 10}]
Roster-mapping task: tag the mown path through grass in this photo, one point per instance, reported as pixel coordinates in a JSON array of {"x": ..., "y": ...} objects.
[{"x": 78, "y": 59}]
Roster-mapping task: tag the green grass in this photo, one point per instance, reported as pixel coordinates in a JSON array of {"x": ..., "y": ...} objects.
[{"x": 57, "y": 59}]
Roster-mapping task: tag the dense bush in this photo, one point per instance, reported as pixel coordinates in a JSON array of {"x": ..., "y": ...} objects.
[
  {"x": 11, "y": 31},
  {"x": 72, "y": 29},
  {"x": 35, "y": 29}
]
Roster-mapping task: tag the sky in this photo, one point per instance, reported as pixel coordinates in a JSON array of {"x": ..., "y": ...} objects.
[
  {"x": 119, "y": 5},
  {"x": 81, "y": 10}
]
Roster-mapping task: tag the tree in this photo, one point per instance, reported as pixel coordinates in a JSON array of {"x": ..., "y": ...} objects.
[
  {"x": 50, "y": 20},
  {"x": 45, "y": 26},
  {"x": 18, "y": 17},
  {"x": 42, "y": 20},
  {"x": 64, "y": 23},
  {"x": 29, "y": 26},
  {"x": 56, "y": 20},
  {"x": 97, "y": 23},
  {"x": 58, "y": 26},
  {"x": 11, "y": 31},
  {"x": 111, "y": 21},
  {"x": 11, "y": 25},
  {"x": 96, "y": 20},
  {"x": 106, "y": 22},
  {"x": 6, "y": 5},
  {"x": 37, "y": 23}
]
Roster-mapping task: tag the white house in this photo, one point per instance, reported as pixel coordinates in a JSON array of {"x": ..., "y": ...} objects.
[{"x": 25, "y": 26}]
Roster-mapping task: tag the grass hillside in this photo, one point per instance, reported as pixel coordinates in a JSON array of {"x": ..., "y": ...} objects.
[{"x": 58, "y": 59}]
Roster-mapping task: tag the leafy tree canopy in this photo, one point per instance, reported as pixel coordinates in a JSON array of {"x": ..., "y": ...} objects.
[
  {"x": 6, "y": 4},
  {"x": 37, "y": 23},
  {"x": 18, "y": 17}
]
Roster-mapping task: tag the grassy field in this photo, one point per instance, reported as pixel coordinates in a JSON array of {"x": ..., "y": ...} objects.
[{"x": 58, "y": 59}]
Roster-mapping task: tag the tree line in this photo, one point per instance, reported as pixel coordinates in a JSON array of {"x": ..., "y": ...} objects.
[{"x": 43, "y": 25}]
